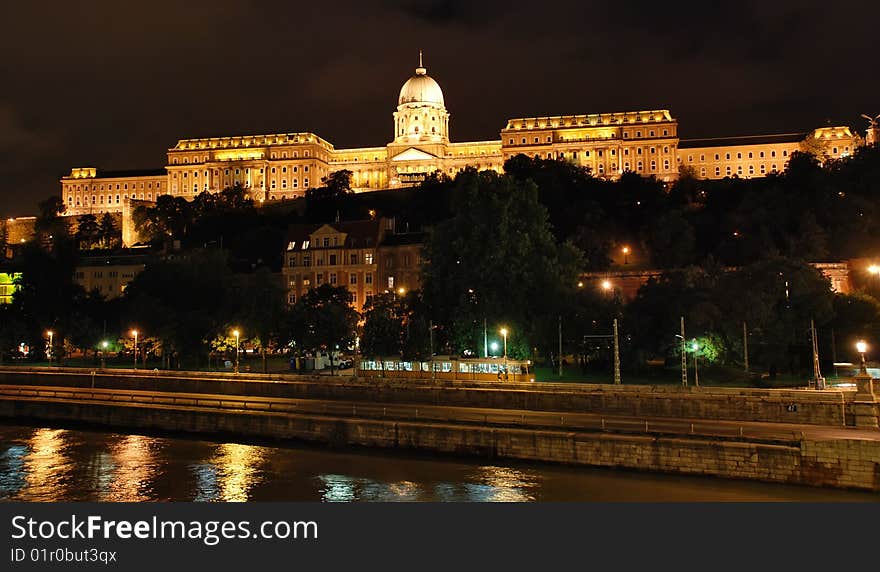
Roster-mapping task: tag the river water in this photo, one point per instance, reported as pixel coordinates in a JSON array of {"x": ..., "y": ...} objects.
[{"x": 57, "y": 464}]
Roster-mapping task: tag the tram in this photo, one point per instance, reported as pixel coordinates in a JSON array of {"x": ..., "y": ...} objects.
[{"x": 451, "y": 368}]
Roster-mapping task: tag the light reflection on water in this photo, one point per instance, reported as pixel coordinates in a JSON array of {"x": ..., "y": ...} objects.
[{"x": 43, "y": 464}]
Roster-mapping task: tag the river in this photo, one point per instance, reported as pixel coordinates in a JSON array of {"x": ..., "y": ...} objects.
[{"x": 58, "y": 464}]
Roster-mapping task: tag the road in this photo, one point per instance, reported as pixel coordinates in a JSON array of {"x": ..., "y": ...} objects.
[{"x": 525, "y": 419}]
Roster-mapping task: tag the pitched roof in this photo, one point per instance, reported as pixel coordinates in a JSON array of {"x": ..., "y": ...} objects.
[{"x": 360, "y": 233}]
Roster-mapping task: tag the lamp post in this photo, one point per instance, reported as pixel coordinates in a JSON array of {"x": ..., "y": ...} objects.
[
  {"x": 135, "y": 334},
  {"x": 694, "y": 347},
  {"x": 504, "y": 334},
  {"x": 104, "y": 345},
  {"x": 862, "y": 347},
  {"x": 626, "y": 255},
  {"x": 237, "y": 335},
  {"x": 51, "y": 335}
]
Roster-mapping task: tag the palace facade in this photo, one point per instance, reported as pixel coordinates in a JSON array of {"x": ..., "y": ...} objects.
[{"x": 285, "y": 165}]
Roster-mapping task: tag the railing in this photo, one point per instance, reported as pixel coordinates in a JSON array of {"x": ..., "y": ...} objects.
[{"x": 534, "y": 420}]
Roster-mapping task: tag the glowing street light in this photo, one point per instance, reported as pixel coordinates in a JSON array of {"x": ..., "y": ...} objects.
[
  {"x": 104, "y": 344},
  {"x": 625, "y": 255},
  {"x": 862, "y": 347},
  {"x": 606, "y": 285},
  {"x": 401, "y": 291},
  {"x": 504, "y": 334},
  {"x": 135, "y": 334},
  {"x": 494, "y": 346},
  {"x": 874, "y": 269},
  {"x": 237, "y": 335},
  {"x": 51, "y": 335},
  {"x": 695, "y": 348}
]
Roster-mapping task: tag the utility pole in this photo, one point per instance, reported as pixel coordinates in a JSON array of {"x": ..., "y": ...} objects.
[
  {"x": 684, "y": 364},
  {"x": 746, "y": 346},
  {"x": 431, "y": 337},
  {"x": 560, "y": 346},
  {"x": 616, "y": 355},
  {"x": 817, "y": 374}
]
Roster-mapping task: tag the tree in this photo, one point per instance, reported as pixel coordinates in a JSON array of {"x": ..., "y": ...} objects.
[
  {"x": 322, "y": 203},
  {"x": 323, "y": 318},
  {"x": 88, "y": 232},
  {"x": 184, "y": 302},
  {"x": 261, "y": 307},
  {"x": 49, "y": 227},
  {"x": 670, "y": 240},
  {"x": 496, "y": 260},
  {"x": 108, "y": 233},
  {"x": 383, "y": 325}
]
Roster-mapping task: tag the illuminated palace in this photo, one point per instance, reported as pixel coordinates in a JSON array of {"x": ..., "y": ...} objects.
[{"x": 285, "y": 165}]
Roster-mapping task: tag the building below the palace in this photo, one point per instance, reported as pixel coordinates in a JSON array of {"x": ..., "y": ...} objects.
[
  {"x": 283, "y": 166},
  {"x": 365, "y": 256}
]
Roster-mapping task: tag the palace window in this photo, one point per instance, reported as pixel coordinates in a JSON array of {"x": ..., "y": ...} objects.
[
  {"x": 333, "y": 278},
  {"x": 332, "y": 260},
  {"x": 368, "y": 258},
  {"x": 368, "y": 278},
  {"x": 717, "y": 156},
  {"x": 739, "y": 155},
  {"x": 352, "y": 278},
  {"x": 717, "y": 171}
]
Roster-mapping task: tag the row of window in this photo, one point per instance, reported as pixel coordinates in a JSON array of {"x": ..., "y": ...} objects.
[
  {"x": 739, "y": 155},
  {"x": 124, "y": 187},
  {"x": 99, "y": 199},
  {"x": 626, "y": 135},
  {"x": 207, "y": 158},
  {"x": 333, "y": 278}
]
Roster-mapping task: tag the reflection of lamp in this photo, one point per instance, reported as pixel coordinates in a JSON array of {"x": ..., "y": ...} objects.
[
  {"x": 862, "y": 347},
  {"x": 51, "y": 335}
]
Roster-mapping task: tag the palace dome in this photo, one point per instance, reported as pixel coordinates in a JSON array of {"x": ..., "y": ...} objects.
[{"x": 420, "y": 88}]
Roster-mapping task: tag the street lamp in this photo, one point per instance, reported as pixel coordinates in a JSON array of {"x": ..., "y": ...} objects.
[
  {"x": 51, "y": 335},
  {"x": 135, "y": 334},
  {"x": 104, "y": 345},
  {"x": 625, "y": 255},
  {"x": 237, "y": 335},
  {"x": 695, "y": 347},
  {"x": 862, "y": 347},
  {"x": 494, "y": 346},
  {"x": 606, "y": 285},
  {"x": 504, "y": 333},
  {"x": 401, "y": 291}
]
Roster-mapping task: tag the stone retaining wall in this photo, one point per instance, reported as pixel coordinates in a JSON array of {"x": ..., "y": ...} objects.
[
  {"x": 841, "y": 463},
  {"x": 826, "y": 407}
]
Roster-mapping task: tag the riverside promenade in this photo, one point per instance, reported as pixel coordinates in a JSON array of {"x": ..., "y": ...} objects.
[{"x": 821, "y": 438}]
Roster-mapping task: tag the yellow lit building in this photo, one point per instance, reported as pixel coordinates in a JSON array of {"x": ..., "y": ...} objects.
[
  {"x": 285, "y": 165},
  {"x": 365, "y": 256},
  {"x": 108, "y": 275},
  {"x": 8, "y": 286}
]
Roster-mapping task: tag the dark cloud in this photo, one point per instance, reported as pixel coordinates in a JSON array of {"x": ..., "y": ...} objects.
[{"x": 114, "y": 84}]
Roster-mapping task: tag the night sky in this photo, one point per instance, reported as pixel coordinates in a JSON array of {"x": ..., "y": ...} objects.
[{"x": 113, "y": 84}]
